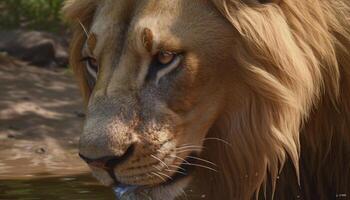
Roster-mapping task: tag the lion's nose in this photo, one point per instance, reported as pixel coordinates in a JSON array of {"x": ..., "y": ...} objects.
[{"x": 108, "y": 162}]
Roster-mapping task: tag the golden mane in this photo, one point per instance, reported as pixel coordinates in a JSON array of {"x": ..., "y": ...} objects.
[{"x": 295, "y": 61}]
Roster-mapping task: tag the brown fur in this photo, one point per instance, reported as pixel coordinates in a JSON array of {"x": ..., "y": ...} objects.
[
  {"x": 147, "y": 39},
  {"x": 286, "y": 113}
]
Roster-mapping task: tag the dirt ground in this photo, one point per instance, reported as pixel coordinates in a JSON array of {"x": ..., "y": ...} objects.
[{"x": 41, "y": 116}]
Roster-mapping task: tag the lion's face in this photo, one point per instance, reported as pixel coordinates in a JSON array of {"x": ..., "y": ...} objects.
[
  {"x": 157, "y": 74},
  {"x": 165, "y": 78}
]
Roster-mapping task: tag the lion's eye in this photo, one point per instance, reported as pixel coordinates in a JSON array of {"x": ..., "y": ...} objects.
[
  {"x": 166, "y": 57},
  {"x": 163, "y": 63},
  {"x": 91, "y": 66}
]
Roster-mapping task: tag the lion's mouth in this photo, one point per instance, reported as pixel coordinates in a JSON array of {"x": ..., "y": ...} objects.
[{"x": 184, "y": 170}]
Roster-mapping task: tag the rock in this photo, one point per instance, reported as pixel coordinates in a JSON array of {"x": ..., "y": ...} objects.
[
  {"x": 40, "y": 151},
  {"x": 11, "y": 136},
  {"x": 26, "y": 98},
  {"x": 37, "y": 48}
]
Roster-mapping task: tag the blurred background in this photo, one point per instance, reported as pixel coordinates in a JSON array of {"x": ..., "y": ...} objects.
[{"x": 41, "y": 111}]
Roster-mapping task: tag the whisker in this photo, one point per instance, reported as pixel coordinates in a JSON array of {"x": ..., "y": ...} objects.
[
  {"x": 155, "y": 157},
  {"x": 170, "y": 170},
  {"x": 167, "y": 176},
  {"x": 84, "y": 29},
  {"x": 176, "y": 171},
  {"x": 159, "y": 176},
  {"x": 189, "y": 146},
  {"x": 203, "y": 160},
  {"x": 202, "y": 166},
  {"x": 178, "y": 167},
  {"x": 218, "y": 139},
  {"x": 174, "y": 156},
  {"x": 187, "y": 150},
  {"x": 155, "y": 167}
]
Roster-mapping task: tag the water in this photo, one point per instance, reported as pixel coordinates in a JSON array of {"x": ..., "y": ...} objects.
[
  {"x": 82, "y": 187},
  {"x": 122, "y": 190}
]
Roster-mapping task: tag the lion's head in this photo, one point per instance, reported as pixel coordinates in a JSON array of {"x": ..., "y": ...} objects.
[{"x": 196, "y": 93}]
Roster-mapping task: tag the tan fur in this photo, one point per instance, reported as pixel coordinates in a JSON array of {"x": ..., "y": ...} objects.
[
  {"x": 264, "y": 90},
  {"x": 91, "y": 42}
]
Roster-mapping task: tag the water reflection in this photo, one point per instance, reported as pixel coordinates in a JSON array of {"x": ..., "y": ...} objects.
[{"x": 82, "y": 187}]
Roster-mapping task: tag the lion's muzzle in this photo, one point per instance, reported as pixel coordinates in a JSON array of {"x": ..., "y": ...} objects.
[{"x": 108, "y": 163}]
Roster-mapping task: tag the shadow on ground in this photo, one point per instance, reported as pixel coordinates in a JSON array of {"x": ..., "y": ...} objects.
[{"x": 40, "y": 121}]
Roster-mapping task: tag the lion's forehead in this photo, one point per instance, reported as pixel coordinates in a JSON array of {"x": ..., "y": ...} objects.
[
  {"x": 115, "y": 22},
  {"x": 128, "y": 18}
]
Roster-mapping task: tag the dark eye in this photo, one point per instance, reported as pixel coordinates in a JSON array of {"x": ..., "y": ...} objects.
[
  {"x": 91, "y": 66},
  {"x": 163, "y": 64},
  {"x": 165, "y": 57}
]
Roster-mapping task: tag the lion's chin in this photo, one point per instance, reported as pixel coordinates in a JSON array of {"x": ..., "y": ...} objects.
[
  {"x": 161, "y": 192},
  {"x": 167, "y": 191}
]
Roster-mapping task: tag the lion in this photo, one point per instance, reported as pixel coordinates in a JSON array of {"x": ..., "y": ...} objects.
[{"x": 215, "y": 99}]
